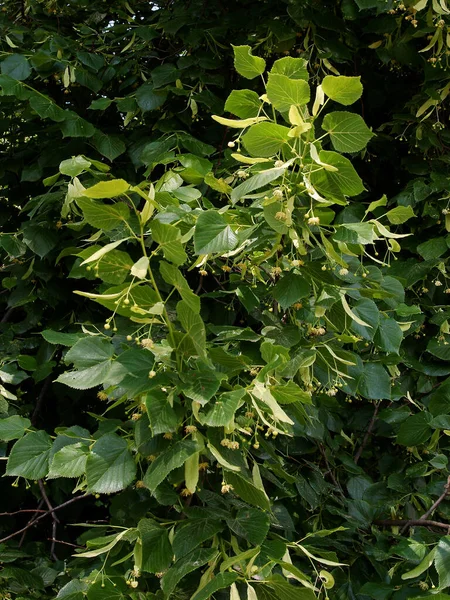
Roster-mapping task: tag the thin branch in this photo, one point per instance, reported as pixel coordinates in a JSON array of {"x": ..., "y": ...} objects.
[
  {"x": 38, "y": 510},
  {"x": 367, "y": 434},
  {"x": 65, "y": 543},
  {"x": 413, "y": 523},
  {"x": 54, "y": 518},
  {"x": 435, "y": 505},
  {"x": 24, "y": 510},
  {"x": 330, "y": 472},
  {"x": 40, "y": 401},
  {"x": 45, "y": 514},
  {"x": 438, "y": 501}
]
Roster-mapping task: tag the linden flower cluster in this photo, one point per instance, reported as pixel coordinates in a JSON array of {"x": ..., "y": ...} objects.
[{"x": 230, "y": 444}]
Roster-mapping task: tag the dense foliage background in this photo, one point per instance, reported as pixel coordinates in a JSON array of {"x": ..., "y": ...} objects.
[{"x": 224, "y": 346}]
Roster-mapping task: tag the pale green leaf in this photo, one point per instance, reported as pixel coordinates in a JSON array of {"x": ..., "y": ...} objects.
[
  {"x": 284, "y": 92},
  {"x": 345, "y": 90},
  {"x": 246, "y": 64},
  {"x": 107, "y": 189},
  {"x": 347, "y": 131},
  {"x": 265, "y": 139}
]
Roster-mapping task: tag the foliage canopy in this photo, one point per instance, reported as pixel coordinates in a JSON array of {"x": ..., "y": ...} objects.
[{"x": 225, "y": 341}]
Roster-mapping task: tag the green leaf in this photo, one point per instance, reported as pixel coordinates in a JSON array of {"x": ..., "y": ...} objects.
[
  {"x": 23, "y": 578},
  {"x": 294, "y": 68},
  {"x": 201, "y": 385},
  {"x": 168, "y": 237},
  {"x": 290, "y": 289},
  {"x": 13, "y": 428},
  {"x": 389, "y": 335},
  {"x": 156, "y": 549},
  {"x": 257, "y": 181},
  {"x": 100, "y": 104},
  {"x": 374, "y": 382},
  {"x": 415, "y": 430},
  {"x": 347, "y": 131},
  {"x": 440, "y": 348},
  {"x": 62, "y": 339},
  {"x": 194, "y": 560},
  {"x": 355, "y": 233},
  {"x": 47, "y": 109},
  {"x": 169, "y": 460},
  {"x": 75, "y": 126},
  {"x": 442, "y": 561},
  {"x": 173, "y": 276},
  {"x": 148, "y": 98},
  {"x": 270, "y": 215},
  {"x": 74, "y": 166},
  {"x": 366, "y": 310},
  {"x": 164, "y": 74},
  {"x": 162, "y": 417},
  {"x": 114, "y": 267},
  {"x": 290, "y": 393},
  {"x": 346, "y": 179},
  {"x": 422, "y": 566},
  {"x": 433, "y": 248},
  {"x": 104, "y": 590},
  {"x": 265, "y": 139},
  {"x": 245, "y": 104},
  {"x": 107, "y": 189},
  {"x": 29, "y": 456},
  {"x": 246, "y": 64},
  {"x": 345, "y": 90},
  {"x": 193, "y": 533},
  {"x": 222, "y": 410},
  {"x": 70, "y": 461},
  {"x": 16, "y": 66},
  {"x": 194, "y": 327},
  {"x": 74, "y": 590},
  {"x": 85, "y": 379},
  {"x": 108, "y": 145},
  {"x": 251, "y": 524},
  {"x": 103, "y": 216},
  {"x": 400, "y": 214},
  {"x": 110, "y": 466},
  {"x": 220, "y": 581},
  {"x": 213, "y": 235},
  {"x": 284, "y": 92},
  {"x": 247, "y": 491},
  {"x": 40, "y": 240},
  {"x": 89, "y": 351}
]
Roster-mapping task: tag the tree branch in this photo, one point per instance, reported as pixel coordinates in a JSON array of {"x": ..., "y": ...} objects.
[
  {"x": 54, "y": 517},
  {"x": 367, "y": 435},
  {"x": 42, "y": 516},
  {"x": 412, "y": 523},
  {"x": 435, "y": 505}
]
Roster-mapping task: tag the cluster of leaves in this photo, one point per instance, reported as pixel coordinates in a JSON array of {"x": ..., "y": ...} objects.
[{"x": 217, "y": 343}]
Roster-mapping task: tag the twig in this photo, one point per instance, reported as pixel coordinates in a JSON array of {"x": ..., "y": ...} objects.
[
  {"x": 40, "y": 401},
  {"x": 330, "y": 472},
  {"x": 438, "y": 501},
  {"x": 54, "y": 517},
  {"x": 7, "y": 314},
  {"x": 38, "y": 510},
  {"x": 367, "y": 435},
  {"x": 45, "y": 514},
  {"x": 435, "y": 505},
  {"x": 62, "y": 542},
  {"x": 413, "y": 523},
  {"x": 24, "y": 510}
]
